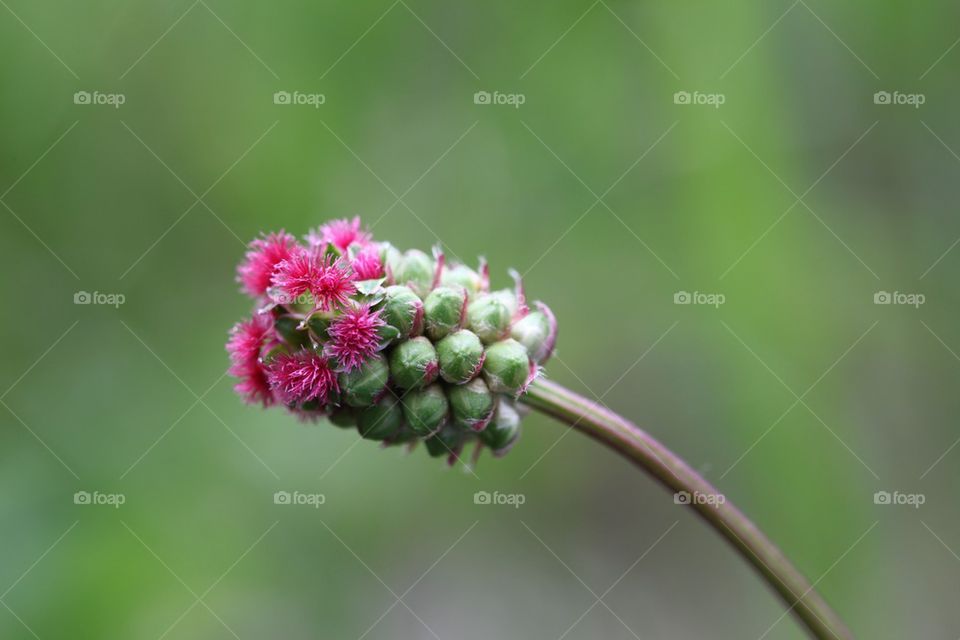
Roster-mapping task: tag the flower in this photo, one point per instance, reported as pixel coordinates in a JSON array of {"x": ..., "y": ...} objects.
[
  {"x": 340, "y": 233},
  {"x": 246, "y": 342},
  {"x": 263, "y": 255},
  {"x": 367, "y": 265},
  {"x": 329, "y": 280},
  {"x": 301, "y": 377},
  {"x": 400, "y": 344},
  {"x": 354, "y": 336}
]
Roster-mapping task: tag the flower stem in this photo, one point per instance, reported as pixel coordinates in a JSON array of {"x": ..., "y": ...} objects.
[{"x": 670, "y": 470}]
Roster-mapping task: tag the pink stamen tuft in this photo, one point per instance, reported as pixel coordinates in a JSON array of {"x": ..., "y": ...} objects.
[
  {"x": 367, "y": 264},
  {"x": 341, "y": 233},
  {"x": 484, "y": 275},
  {"x": 441, "y": 260},
  {"x": 354, "y": 337},
  {"x": 247, "y": 339},
  {"x": 329, "y": 281},
  {"x": 302, "y": 377},
  {"x": 263, "y": 255},
  {"x": 522, "y": 308}
]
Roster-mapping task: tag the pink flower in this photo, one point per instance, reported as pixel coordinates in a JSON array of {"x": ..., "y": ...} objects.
[
  {"x": 264, "y": 254},
  {"x": 367, "y": 264},
  {"x": 354, "y": 337},
  {"x": 246, "y": 341},
  {"x": 302, "y": 377},
  {"x": 329, "y": 281},
  {"x": 341, "y": 234}
]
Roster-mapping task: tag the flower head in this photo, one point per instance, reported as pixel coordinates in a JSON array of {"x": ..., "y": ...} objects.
[
  {"x": 354, "y": 336},
  {"x": 367, "y": 265},
  {"x": 403, "y": 345},
  {"x": 302, "y": 377},
  {"x": 329, "y": 280},
  {"x": 340, "y": 233},
  {"x": 263, "y": 255},
  {"x": 247, "y": 340}
]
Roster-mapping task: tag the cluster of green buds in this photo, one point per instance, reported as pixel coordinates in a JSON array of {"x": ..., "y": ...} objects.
[
  {"x": 425, "y": 351},
  {"x": 457, "y": 358}
]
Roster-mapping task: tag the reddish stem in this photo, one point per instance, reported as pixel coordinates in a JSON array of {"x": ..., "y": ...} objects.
[{"x": 670, "y": 470}]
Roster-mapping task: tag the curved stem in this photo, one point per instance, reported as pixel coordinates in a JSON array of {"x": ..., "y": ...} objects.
[{"x": 670, "y": 470}]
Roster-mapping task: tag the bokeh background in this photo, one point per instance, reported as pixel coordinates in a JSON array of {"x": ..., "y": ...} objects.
[{"x": 797, "y": 199}]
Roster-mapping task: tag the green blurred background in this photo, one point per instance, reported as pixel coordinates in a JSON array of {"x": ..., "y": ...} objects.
[{"x": 609, "y": 196}]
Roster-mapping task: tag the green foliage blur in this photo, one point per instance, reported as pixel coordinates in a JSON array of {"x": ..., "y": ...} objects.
[{"x": 143, "y": 143}]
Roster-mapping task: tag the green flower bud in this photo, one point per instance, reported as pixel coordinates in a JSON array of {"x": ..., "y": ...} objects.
[
  {"x": 471, "y": 404},
  {"x": 459, "y": 275},
  {"x": 403, "y": 310},
  {"x": 489, "y": 318},
  {"x": 381, "y": 421},
  {"x": 537, "y": 332},
  {"x": 507, "y": 368},
  {"x": 344, "y": 417},
  {"x": 508, "y": 298},
  {"x": 416, "y": 270},
  {"x": 444, "y": 309},
  {"x": 461, "y": 357},
  {"x": 413, "y": 364},
  {"x": 364, "y": 385},
  {"x": 447, "y": 441},
  {"x": 425, "y": 409},
  {"x": 405, "y": 435},
  {"x": 504, "y": 428}
]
